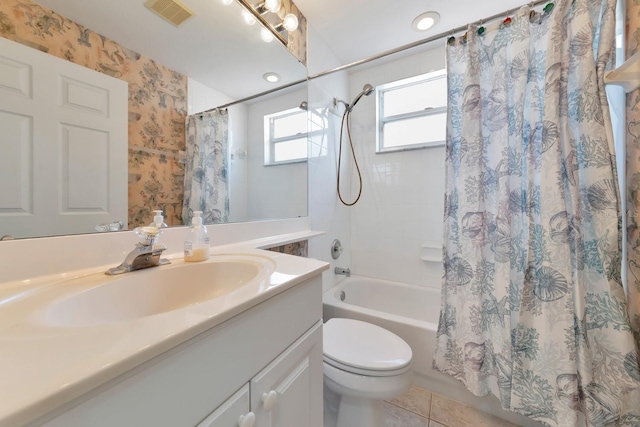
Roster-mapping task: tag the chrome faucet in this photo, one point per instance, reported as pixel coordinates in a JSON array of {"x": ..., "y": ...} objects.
[
  {"x": 146, "y": 253},
  {"x": 345, "y": 271}
]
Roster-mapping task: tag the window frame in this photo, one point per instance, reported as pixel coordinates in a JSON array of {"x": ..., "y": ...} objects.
[
  {"x": 271, "y": 141},
  {"x": 382, "y": 120}
]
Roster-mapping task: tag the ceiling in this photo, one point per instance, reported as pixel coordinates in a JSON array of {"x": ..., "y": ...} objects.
[
  {"x": 219, "y": 50},
  {"x": 357, "y": 29},
  {"x": 214, "y": 47}
]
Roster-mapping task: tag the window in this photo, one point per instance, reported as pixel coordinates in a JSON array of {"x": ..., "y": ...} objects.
[
  {"x": 412, "y": 113},
  {"x": 285, "y": 136}
]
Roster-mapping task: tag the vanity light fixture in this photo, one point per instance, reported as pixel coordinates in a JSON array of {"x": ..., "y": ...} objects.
[
  {"x": 272, "y": 6},
  {"x": 266, "y": 35},
  {"x": 425, "y": 21},
  {"x": 290, "y": 22},
  {"x": 271, "y": 77},
  {"x": 270, "y": 14}
]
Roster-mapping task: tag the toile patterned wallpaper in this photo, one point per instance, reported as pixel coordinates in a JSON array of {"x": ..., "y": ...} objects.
[
  {"x": 633, "y": 172},
  {"x": 157, "y": 102},
  {"x": 300, "y": 248}
]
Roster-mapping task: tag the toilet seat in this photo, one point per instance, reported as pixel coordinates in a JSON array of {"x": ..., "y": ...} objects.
[{"x": 365, "y": 349}]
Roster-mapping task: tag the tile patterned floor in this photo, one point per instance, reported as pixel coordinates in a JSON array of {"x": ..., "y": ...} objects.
[{"x": 421, "y": 408}]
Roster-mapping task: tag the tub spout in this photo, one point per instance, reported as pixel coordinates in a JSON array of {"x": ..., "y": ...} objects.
[{"x": 345, "y": 271}]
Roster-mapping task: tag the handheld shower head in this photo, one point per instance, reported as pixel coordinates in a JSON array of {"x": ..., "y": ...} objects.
[{"x": 367, "y": 89}]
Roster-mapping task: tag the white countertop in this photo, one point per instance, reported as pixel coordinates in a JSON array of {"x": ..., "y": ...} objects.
[{"x": 43, "y": 367}]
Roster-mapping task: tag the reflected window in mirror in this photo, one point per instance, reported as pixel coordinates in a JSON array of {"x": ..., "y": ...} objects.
[{"x": 285, "y": 137}]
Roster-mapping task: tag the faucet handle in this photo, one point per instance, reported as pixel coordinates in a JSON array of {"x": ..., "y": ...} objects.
[{"x": 148, "y": 235}]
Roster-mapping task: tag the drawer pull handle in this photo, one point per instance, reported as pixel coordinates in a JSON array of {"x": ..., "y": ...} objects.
[
  {"x": 247, "y": 420},
  {"x": 269, "y": 400}
]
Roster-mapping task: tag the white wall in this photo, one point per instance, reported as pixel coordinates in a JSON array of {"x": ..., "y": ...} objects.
[
  {"x": 325, "y": 211},
  {"x": 277, "y": 191},
  {"x": 403, "y": 197},
  {"x": 202, "y": 98}
]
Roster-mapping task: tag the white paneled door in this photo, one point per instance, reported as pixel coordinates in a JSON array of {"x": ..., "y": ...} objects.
[{"x": 63, "y": 145}]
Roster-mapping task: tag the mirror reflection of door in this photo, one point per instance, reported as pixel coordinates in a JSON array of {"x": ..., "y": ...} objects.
[
  {"x": 210, "y": 60},
  {"x": 63, "y": 131}
]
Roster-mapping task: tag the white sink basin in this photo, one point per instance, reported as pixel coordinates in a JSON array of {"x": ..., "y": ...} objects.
[{"x": 156, "y": 290}]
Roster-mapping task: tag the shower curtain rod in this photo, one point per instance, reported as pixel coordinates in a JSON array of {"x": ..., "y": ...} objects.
[
  {"x": 427, "y": 40},
  {"x": 383, "y": 54},
  {"x": 249, "y": 98}
]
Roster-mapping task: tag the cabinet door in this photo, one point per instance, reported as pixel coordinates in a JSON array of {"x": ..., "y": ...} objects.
[
  {"x": 288, "y": 392},
  {"x": 230, "y": 412}
]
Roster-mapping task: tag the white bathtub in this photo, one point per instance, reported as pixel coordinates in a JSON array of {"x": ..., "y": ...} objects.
[{"x": 411, "y": 312}]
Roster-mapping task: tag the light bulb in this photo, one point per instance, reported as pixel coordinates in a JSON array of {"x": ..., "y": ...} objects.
[
  {"x": 290, "y": 22},
  {"x": 425, "y": 23},
  {"x": 248, "y": 18},
  {"x": 266, "y": 35},
  {"x": 273, "y": 6},
  {"x": 226, "y": 2}
]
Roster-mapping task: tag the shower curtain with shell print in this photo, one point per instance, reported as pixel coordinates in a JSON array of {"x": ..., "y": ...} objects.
[
  {"x": 206, "y": 186},
  {"x": 533, "y": 308}
]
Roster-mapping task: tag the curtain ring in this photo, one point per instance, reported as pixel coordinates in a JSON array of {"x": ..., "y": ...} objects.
[{"x": 451, "y": 40}]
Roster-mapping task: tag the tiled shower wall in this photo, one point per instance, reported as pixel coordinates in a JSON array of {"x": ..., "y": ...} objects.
[
  {"x": 402, "y": 200},
  {"x": 325, "y": 211}
]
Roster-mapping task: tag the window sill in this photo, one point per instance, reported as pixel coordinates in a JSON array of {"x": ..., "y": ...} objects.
[
  {"x": 411, "y": 147},
  {"x": 288, "y": 162}
]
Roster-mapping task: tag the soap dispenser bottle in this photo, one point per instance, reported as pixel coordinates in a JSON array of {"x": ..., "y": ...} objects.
[
  {"x": 196, "y": 243},
  {"x": 158, "y": 220}
]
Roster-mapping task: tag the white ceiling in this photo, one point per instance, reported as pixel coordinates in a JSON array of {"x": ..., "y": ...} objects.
[
  {"x": 219, "y": 50},
  {"x": 214, "y": 47},
  {"x": 358, "y": 29}
]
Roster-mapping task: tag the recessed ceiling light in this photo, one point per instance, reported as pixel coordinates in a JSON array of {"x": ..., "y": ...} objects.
[
  {"x": 271, "y": 77},
  {"x": 425, "y": 21}
]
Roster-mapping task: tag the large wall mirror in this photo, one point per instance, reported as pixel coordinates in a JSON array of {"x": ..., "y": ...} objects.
[{"x": 101, "y": 102}]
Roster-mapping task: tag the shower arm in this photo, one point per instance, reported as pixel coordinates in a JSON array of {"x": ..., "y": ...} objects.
[{"x": 337, "y": 101}]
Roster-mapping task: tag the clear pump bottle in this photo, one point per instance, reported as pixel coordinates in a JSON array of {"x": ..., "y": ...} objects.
[
  {"x": 158, "y": 220},
  {"x": 196, "y": 243}
]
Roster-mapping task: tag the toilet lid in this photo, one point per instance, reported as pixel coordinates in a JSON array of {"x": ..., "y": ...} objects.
[{"x": 363, "y": 346}]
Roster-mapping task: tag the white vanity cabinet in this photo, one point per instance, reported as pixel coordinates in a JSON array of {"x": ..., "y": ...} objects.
[
  {"x": 265, "y": 362},
  {"x": 282, "y": 395},
  {"x": 232, "y": 413},
  {"x": 285, "y": 393}
]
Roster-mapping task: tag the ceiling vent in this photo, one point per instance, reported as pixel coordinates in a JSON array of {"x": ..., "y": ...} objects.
[{"x": 173, "y": 11}]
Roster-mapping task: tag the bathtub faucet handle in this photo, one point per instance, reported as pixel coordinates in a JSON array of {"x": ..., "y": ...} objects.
[{"x": 344, "y": 271}]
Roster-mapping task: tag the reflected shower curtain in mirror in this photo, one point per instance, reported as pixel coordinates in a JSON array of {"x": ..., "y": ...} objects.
[
  {"x": 206, "y": 187},
  {"x": 533, "y": 307}
]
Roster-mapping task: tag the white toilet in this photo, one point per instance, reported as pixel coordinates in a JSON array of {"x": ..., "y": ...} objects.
[{"x": 363, "y": 365}]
